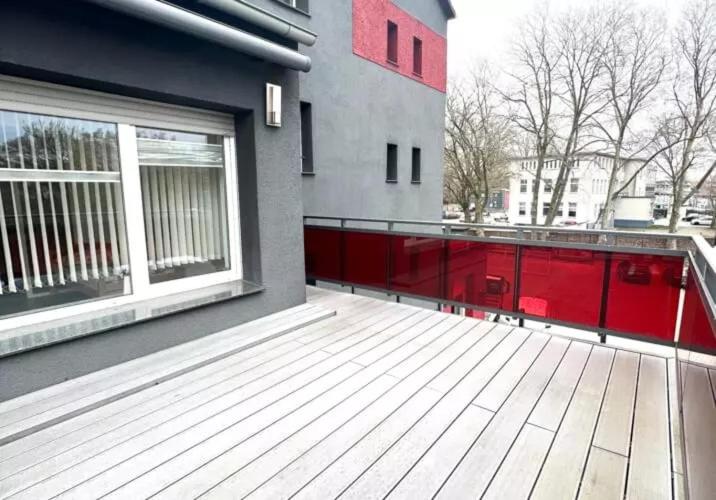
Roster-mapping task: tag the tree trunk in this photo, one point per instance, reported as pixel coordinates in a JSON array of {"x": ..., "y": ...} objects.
[
  {"x": 606, "y": 219},
  {"x": 678, "y": 193},
  {"x": 534, "y": 206},
  {"x": 465, "y": 211}
]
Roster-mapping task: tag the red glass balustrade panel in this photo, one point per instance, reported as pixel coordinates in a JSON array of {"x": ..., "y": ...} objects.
[
  {"x": 416, "y": 265},
  {"x": 696, "y": 332},
  {"x": 481, "y": 274},
  {"x": 562, "y": 284},
  {"x": 322, "y": 247},
  {"x": 366, "y": 258},
  {"x": 643, "y": 294}
]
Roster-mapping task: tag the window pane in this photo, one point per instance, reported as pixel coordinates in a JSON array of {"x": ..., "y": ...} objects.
[
  {"x": 184, "y": 201},
  {"x": 62, "y": 229}
]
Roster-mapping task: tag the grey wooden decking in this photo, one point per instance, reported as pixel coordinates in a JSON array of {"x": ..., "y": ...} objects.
[{"x": 383, "y": 399}]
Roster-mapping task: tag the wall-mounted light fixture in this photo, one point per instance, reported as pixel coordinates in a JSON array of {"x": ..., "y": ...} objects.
[{"x": 273, "y": 105}]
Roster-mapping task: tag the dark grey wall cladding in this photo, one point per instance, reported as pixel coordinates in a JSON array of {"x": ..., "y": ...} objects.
[
  {"x": 358, "y": 107},
  {"x": 79, "y": 44}
]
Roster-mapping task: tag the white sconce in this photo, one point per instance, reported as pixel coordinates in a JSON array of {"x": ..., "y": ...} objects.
[{"x": 273, "y": 105}]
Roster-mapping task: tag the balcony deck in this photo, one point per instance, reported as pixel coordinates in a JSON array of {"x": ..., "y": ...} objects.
[{"x": 383, "y": 399}]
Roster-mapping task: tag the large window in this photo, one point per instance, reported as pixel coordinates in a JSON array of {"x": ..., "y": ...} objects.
[
  {"x": 417, "y": 56},
  {"x": 184, "y": 201},
  {"x": 112, "y": 209},
  {"x": 415, "y": 171},
  {"x": 62, "y": 226}
]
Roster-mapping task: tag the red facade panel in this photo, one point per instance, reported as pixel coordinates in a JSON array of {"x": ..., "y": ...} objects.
[
  {"x": 562, "y": 284},
  {"x": 370, "y": 41},
  {"x": 643, "y": 294}
]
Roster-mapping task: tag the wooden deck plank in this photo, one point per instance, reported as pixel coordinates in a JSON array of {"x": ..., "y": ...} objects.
[
  {"x": 650, "y": 464},
  {"x": 500, "y": 387},
  {"x": 477, "y": 468},
  {"x": 219, "y": 457},
  {"x": 199, "y": 387},
  {"x": 519, "y": 470},
  {"x": 562, "y": 472},
  {"x": 436, "y": 464},
  {"x": 172, "y": 355},
  {"x": 26, "y": 419},
  {"x": 614, "y": 425},
  {"x": 394, "y": 405},
  {"x": 677, "y": 442},
  {"x": 604, "y": 476},
  {"x": 236, "y": 402},
  {"x": 272, "y": 462},
  {"x": 699, "y": 412},
  {"x": 148, "y": 399},
  {"x": 351, "y": 465},
  {"x": 551, "y": 407}
]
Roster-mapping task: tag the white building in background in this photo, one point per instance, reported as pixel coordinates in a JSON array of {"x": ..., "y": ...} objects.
[{"x": 586, "y": 190}]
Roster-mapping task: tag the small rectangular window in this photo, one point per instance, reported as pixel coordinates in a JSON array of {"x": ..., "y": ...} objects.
[
  {"x": 559, "y": 211},
  {"x": 415, "y": 175},
  {"x": 572, "y": 210},
  {"x": 545, "y": 208},
  {"x": 391, "y": 172},
  {"x": 417, "y": 56},
  {"x": 306, "y": 138},
  {"x": 523, "y": 208},
  {"x": 573, "y": 185},
  {"x": 392, "y": 42},
  {"x": 548, "y": 185},
  {"x": 523, "y": 185}
]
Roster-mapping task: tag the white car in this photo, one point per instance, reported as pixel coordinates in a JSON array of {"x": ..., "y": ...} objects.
[{"x": 702, "y": 220}]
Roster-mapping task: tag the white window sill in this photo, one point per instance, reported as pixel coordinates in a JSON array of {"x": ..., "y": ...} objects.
[{"x": 15, "y": 340}]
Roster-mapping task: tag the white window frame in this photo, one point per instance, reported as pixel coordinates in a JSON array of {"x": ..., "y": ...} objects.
[{"x": 141, "y": 289}]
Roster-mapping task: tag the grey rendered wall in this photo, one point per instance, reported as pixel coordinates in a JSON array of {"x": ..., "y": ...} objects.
[
  {"x": 359, "y": 107},
  {"x": 79, "y": 44}
]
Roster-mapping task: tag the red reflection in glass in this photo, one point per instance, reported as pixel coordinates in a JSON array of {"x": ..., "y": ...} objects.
[
  {"x": 562, "y": 284},
  {"x": 322, "y": 253},
  {"x": 643, "y": 294},
  {"x": 696, "y": 332},
  {"x": 366, "y": 258},
  {"x": 481, "y": 273},
  {"x": 416, "y": 265}
]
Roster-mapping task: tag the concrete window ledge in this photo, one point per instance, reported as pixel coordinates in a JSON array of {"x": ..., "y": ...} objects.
[{"x": 51, "y": 332}]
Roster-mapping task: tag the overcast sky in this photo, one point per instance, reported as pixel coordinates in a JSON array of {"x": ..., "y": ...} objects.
[{"x": 483, "y": 28}]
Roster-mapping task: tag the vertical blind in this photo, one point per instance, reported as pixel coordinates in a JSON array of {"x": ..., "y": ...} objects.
[
  {"x": 61, "y": 209},
  {"x": 183, "y": 195}
]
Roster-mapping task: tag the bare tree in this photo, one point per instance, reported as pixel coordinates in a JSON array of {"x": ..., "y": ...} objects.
[
  {"x": 694, "y": 100},
  {"x": 634, "y": 62},
  {"x": 531, "y": 98},
  {"x": 477, "y": 143},
  {"x": 580, "y": 36}
]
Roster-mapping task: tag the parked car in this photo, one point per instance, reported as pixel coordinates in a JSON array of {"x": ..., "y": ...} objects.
[
  {"x": 702, "y": 220},
  {"x": 501, "y": 218}
]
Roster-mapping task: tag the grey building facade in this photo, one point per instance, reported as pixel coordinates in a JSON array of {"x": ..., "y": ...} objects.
[{"x": 100, "y": 56}]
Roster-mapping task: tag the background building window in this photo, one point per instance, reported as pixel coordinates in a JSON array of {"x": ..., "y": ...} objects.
[
  {"x": 523, "y": 185},
  {"x": 522, "y": 208},
  {"x": 391, "y": 171},
  {"x": 417, "y": 56},
  {"x": 572, "y": 209},
  {"x": 548, "y": 185},
  {"x": 415, "y": 171},
  {"x": 392, "y": 42},
  {"x": 299, "y": 4},
  {"x": 545, "y": 208},
  {"x": 573, "y": 185},
  {"x": 184, "y": 201},
  {"x": 306, "y": 138},
  {"x": 62, "y": 229}
]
